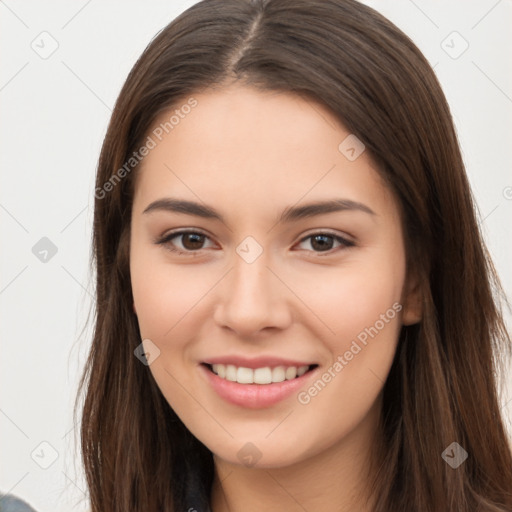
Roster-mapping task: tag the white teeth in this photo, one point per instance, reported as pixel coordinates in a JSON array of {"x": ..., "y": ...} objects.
[
  {"x": 301, "y": 370},
  {"x": 220, "y": 370},
  {"x": 244, "y": 375},
  {"x": 278, "y": 374},
  {"x": 265, "y": 375},
  {"x": 261, "y": 375},
  {"x": 231, "y": 373},
  {"x": 291, "y": 372}
]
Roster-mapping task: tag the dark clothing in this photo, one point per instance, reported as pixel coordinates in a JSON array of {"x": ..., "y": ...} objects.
[{"x": 195, "y": 497}]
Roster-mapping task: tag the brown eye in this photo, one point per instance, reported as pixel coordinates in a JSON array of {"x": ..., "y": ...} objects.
[
  {"x": 191, "y": 241},
  {"x": 323, "y": 242}
]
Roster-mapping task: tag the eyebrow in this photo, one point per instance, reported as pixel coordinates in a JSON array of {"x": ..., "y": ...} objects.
[{"x": 291, "y": 213}]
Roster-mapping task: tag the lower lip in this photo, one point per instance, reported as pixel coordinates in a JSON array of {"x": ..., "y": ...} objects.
[{"x": 254, "y": 396}]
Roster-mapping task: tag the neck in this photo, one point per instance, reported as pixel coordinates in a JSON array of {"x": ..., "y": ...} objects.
[{"x": 338, "y": 474}]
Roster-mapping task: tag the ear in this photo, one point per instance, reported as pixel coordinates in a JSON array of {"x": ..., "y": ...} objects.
[{"x": 412, "y": 301}]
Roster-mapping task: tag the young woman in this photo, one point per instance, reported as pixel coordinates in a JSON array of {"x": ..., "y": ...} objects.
[{"x": 295, "y": 307}]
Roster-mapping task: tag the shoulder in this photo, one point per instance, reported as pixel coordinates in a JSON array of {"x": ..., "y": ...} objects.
[{"x": 10, "y": 503}]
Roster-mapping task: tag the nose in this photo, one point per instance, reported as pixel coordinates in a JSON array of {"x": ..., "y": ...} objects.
[{"x": 252, "y": 298}]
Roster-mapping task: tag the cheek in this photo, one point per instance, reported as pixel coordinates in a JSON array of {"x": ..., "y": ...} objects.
[
  {"x": 363, "y": 314},
  {"x": 161, "y": 301},
  {"x": 359, "y": 306},
  {"x": 354, "y": 297},
  {"x": 166, "y": 297},
  {"x": 164, "y": 294}
]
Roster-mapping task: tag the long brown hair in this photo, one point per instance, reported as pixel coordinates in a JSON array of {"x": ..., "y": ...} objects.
[{"x": 443, "y": 384}]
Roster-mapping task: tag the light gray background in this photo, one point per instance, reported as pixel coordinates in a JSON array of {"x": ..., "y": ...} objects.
[{"x": 55, "y": 112}]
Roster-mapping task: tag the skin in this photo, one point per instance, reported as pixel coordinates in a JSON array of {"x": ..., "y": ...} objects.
[{"x": 249, "y": 155}]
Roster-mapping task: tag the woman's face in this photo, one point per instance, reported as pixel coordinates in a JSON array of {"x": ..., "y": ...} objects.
[{"x": 266, "y": 282}]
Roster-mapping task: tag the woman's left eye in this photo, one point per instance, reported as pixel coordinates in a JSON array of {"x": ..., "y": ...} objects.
[
  {"x": 194, "y": 239},
  {"x": 321, "y": 240}
]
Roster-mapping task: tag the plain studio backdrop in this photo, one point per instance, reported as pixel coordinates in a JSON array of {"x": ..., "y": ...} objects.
[{"x": 62, "y": 67}]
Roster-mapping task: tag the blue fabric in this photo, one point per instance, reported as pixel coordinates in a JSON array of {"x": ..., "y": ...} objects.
[
  {"x": 194, "y": 500},
  {"x": 9, "y": 503}
]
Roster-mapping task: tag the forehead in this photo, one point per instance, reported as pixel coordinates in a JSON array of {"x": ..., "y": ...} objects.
[{"x": 246, "y": 147}]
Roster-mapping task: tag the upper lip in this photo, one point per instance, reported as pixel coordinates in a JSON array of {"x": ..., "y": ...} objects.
[{"x": 256, "y": 362}]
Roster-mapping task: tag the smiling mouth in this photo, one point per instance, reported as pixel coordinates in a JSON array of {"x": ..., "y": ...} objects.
[{"x": 263, "y": 376}]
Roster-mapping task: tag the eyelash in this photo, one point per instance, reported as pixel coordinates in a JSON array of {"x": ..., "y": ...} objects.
[{"x": 165, "y": 240}]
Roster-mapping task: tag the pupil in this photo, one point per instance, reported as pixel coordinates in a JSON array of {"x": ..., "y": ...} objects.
[
  {"x": 197, "y": 239},
  {"x": 322, "y": 245}
]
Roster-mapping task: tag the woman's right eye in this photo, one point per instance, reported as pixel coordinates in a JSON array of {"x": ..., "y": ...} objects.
[{"x": 189, "y": 238}]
